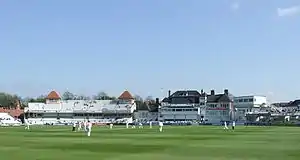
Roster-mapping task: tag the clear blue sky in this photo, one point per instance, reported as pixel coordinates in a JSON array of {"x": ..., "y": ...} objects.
[{"x": 247, "y": 46}]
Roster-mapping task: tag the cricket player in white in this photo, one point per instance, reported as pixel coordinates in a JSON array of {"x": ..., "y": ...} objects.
[
  {"x": 140, "y": 125},
  {"x": 74, "y": 127},
  {"x": 26, "y": 124},
  {"x": 79, "y": 126},
  {"x": 134, "y": 124},
  {"x": 150, "y": 124},
  {"x": 225, "y": 125},
  {"x": 111, "y": 125},
  {"x": 85, "y": 126},
  {"x": 127, "y": 124},
  {"x": 89, "y": 128},
  {"x": 160, "y": 126},
  {"x": 233, "y": 125}
]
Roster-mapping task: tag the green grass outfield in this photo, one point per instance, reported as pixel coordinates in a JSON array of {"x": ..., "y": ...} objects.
[{"x": 175, "y": 143}]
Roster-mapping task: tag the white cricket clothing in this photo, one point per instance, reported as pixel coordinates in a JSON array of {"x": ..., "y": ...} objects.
[
  {"x": 233, "y": 123},
  {"x": 26, "y": 124},
  {"x": 89, "y": 125},
  {"x": 85, "y": 126},
  {"x": 127, "y": 125},
  {"x": 161, "y": 124},
  {"x": 225, "y": 125},
  {"x": 79, "y": 126},
  {"x": 111, "y": 126},
  {"x": 140, "y": 125},
  {"x": 150, "y": 124},
  {"x": 89, "y": 128}
]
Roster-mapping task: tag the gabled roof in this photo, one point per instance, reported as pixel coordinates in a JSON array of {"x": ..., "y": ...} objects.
[
  {"x": 192, "y": 93},
  {"x": 188, "y": 96},
  {"x": 281, "y": 104},
  {"x": 218, "y": 98},
  {"x": 53, "y": 95},
  {"x": 295, "y": 103},
  {"x": 166, "y": 100},
  {"x": 125, "y": 95}
]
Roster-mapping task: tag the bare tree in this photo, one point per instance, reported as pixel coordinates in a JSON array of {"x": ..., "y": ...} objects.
[
  {"x": 101, "y": 96},
  {"x": 68, "y": 96},
  {"x": 138, "y": 98},
  {"x": 149, "y": 98}
]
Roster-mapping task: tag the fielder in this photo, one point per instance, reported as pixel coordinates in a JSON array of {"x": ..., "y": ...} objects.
[
  {"x": 26, "y": 124},
  {"x": 85, "y": 126},
  {"x": 74, "y": 127},
  {"x": 150, "y": 124},
  {"x": 225, "y": 125},
  {"x": 160, "y": 126},
  {"x": 233, "y": 125},
  {"x": 127, "y": 124},
  {"x": 111, "y": 125},
  {"x": 140, "y": 125},
  {"x": 79, "y": 126},
  {"x": 89, "y": 128},
  {"x": 133, "y": 126}
]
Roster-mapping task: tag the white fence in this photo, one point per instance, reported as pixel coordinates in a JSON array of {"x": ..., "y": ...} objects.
[{"x": 100, "y": 106}]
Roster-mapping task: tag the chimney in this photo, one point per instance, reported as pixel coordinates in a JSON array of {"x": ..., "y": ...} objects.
[
  {"x": 201, "y": 91},
  {"x": 212, "y": 92},
  {"x": 169, "y": 94},
  {"x": 226, "y": 91}
]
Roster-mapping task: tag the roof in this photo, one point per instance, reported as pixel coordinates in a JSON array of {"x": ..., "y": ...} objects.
[
  {"x": 183, "y": 97},
  {"x": 219, "y": 98},
  {"x": 126, "y": 95},
  {"x": 281, "y": 104},
  {"x": 166, "y": 100},
  {"x": 295, "y": 103},
  {"x": 186, "y": 93},
  {"x": 53, "y": 95},
  {"x": 190, "y": 96}
]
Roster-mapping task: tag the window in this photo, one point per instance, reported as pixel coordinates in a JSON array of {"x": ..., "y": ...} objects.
[
  {"x": 224, "y": 105},
  {"x": 246, "y": 100},
  {"x": 240, "y": 100}
]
